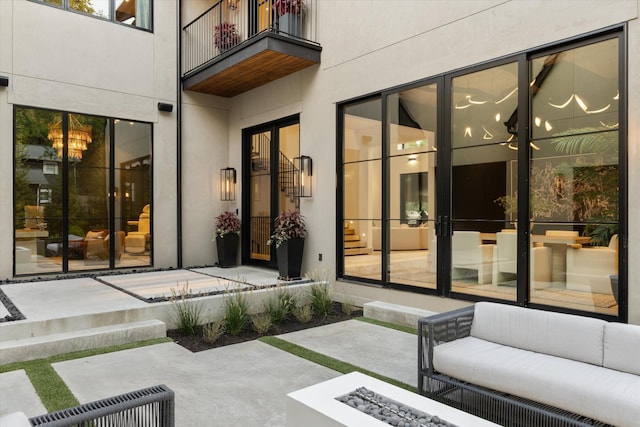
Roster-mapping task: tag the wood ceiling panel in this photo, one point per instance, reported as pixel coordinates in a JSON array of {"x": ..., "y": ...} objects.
[{"x": 261, "y": 68}]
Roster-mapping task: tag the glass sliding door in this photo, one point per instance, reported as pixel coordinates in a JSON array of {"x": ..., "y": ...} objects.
[
  {"x": 363, "y": 187},
  {"x": 412, "y": 131},
  {"x": 88, "y": 193},
  {"x": 67, "y": 192},
  {"x": 133, "y": 232},
  {"x": 574, "y": 175},
  {"x": 38, "y": 193},
  {"x": 484, "y": 149},
  {"x": 528, "y": 181}
]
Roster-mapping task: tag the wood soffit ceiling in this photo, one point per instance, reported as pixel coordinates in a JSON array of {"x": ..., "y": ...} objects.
[{"x": 247, "y": 69}]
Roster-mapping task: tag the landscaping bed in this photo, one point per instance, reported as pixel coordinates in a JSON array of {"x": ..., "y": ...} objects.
[{"x": 196, "y": 342}]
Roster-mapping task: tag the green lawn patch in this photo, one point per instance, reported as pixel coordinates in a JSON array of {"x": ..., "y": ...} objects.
[
  {"x": 394, "y": 326},
  {"x": 330, "y": 362},
  {"x": 51, "y": 389}
]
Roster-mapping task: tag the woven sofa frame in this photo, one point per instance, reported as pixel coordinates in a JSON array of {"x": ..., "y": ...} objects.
[
  {"x": 149, "y": 407},
  {"x": 495, "y": 406}
]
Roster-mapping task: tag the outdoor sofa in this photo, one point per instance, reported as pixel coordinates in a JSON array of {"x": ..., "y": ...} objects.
[
  {"x": 522, "y": 367},
  {"x": 149, "y": 407}
]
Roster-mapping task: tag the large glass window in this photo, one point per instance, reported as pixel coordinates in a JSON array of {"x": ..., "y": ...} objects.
[
  {"x": 362, "y": 198},
  {"x": 546, "y": 142},
  {"x": 411, "y": 125},
  {"x": 483, "y": 177},
  {"x": 136, "y": 13},
  {"x": 73, "y": 209},
  {"x": 574, "y": 175}
]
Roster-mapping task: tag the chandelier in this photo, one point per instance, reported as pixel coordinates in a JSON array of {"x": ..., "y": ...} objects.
[{"x": 78, "y": 137}]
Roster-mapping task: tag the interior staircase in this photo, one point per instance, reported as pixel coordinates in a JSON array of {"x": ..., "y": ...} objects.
[{"x": 352, "y": 243}]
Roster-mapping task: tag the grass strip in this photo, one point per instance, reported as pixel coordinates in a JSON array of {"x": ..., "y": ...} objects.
[
  {"x": 329, "y": 362},
  {"x": 401, "y": 328},
  {"x": 52, "y": 390}
]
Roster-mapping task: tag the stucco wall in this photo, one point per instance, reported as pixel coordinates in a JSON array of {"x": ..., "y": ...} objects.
[
  {"x": 67, "y": 61},
  {"x": 372, "y": 45}
]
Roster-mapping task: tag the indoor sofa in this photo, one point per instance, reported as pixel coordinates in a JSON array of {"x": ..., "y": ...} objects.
[{"x": 518, "y": 366}]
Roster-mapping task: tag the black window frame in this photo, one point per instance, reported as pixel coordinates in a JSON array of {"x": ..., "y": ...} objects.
[{"x": 443, "y": 224}]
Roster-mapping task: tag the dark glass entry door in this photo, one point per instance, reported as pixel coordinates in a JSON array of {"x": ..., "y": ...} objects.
[{"x": 269, "y": 173}]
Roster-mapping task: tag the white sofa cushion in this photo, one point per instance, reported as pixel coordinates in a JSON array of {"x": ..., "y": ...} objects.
[
  {"x": 596, "y": 392},
  {"x": 622, "y": 347},
  {"x": 563, "y": 335}
]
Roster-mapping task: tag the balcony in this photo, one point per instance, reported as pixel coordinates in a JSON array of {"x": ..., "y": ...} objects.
[{"x": 238, "y": 45}]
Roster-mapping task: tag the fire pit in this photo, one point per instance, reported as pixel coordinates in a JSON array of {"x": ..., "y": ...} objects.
[{"x": 390, "y": 411}]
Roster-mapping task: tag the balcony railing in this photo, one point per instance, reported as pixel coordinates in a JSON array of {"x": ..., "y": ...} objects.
[{"x": 229, "y": 24}]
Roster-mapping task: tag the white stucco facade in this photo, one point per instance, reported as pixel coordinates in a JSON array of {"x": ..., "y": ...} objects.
[{"x": 61, "y": 60}]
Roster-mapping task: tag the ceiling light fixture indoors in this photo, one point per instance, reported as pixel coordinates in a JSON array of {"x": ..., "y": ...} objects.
[{"x": 78, "y": 137}]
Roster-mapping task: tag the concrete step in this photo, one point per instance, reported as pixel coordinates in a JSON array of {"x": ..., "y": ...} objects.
[
  {"x": 39, "y": 347},
  {"x": 351, "y": 238},
  {"x": 394, "y": 313}
]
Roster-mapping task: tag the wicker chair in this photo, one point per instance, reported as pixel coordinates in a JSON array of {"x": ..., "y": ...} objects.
[{"x": 149, "y": 407}]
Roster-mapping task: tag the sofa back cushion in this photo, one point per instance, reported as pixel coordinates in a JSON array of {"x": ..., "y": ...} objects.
[
  {"x": 622, "y": 347},
  {"x": 562, "y": 335}
]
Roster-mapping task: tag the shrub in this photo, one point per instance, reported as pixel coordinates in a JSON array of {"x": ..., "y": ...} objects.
[
  {"x": 288, "y": 225},
  {"x": 279, "y": 304},
  {"x": 321, "y": 298},
  {"x": 321, "y": 295},
  {"x": 236, "y": 312},
  {"x": 304, "y": 313},
  {"x": 348, "y": 307},
  {"x": 186, "y": 313},
  {"x": 227, "y": 222},
  {"x": 261, "y": 323},
  {"x": 214, "y": 330}
]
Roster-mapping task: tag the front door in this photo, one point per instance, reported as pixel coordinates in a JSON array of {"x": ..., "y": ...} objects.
[{"x": 268, "y": 183}]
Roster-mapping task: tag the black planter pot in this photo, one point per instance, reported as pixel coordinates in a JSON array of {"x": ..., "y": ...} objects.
[
  {"x": 289, "y": 255},
  {"x": 227, "y": 249}
]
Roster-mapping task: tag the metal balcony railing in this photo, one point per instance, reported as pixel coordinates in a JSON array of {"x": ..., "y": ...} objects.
[{"x": 229, "y": 23}]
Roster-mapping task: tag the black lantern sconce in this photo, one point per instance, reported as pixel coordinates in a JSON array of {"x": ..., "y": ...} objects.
[
  {"x": 227, "y": 184},
  {"x": 304, "y": 175}
]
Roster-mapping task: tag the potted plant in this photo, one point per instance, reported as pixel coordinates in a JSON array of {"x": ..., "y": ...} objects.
[
  {"x": 288, "y": 235},
  {"x": 227, "y": 237},
  {"x": 289, "y": 13},
  {"x": 226, "y": 36}
]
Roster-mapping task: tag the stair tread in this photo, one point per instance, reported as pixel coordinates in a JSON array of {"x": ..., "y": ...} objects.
[
  {"x": 358, "y": 251},
  {"x": 356, "y": 244},
  {"x": 80, "y": 332}
]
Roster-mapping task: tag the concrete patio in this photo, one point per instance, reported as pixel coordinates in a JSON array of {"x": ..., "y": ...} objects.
[{"x": 242, "y": 384}]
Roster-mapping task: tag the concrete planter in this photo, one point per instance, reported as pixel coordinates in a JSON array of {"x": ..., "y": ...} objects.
[{"x": 291, "y": 24}]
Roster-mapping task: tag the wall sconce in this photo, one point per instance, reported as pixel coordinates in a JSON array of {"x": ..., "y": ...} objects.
[
  {"x": 233, "y": 4},
  {"x": 4, "y": 81},
  {"x": 304, "y": 175},
  {"x": 413, "y": 159},
  {"x": 227, "y": 184}
]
